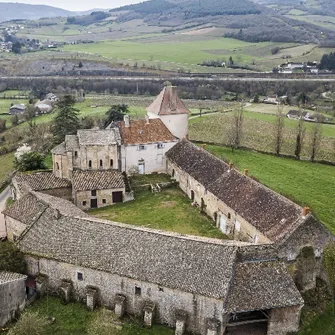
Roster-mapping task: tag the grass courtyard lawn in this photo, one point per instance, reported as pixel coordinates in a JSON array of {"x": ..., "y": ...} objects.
[
  {"x": 169, "y": 210},
  {"x": 304, "y": 182},
  {"x": 6, "y": 166},
  {"x": 74, "y": 319}
]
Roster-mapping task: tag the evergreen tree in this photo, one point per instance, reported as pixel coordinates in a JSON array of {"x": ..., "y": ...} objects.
[
  {"x": 11, "y": 259},
  {"x": 66, "y": 121},
  {"x": 116, "y": 113}
]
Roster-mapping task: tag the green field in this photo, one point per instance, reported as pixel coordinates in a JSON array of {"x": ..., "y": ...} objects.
[
  {"x": 258, "y": 133},
  {"x": 306, "y": 183},
  {"x": 6, "y": 163},
  {"x": 74, "y": 319},
  {"x": 169, "y": 210}
]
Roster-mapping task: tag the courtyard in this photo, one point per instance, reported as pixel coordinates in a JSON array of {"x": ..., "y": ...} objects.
[{"x": 169, "y": 210}]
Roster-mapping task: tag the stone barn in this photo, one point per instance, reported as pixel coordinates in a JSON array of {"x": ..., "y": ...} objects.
[
  {"x": 12, "y": 295},
  {"x": 248, "y": 211},
  {"x": 201, "y": 285},
  {"x": 94, "y": 189}
]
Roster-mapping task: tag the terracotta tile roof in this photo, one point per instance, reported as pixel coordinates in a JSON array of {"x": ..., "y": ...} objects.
[
  {"x": 40, "y": 181},
  {"x": 272, "y": 214},
  {"x": 97, "y": 180},
  {"x": 261, "y": 286},
  {"x": 140, "y": 132},
  {"x": 7, "y": 277},
  {"x": 168, "y": 102},
  {"x": 26, "y": 209},
  {"x": 188, "y": 264}
]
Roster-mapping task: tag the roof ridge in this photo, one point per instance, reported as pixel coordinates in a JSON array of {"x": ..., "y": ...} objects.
[{"x": 215, "y": 241}]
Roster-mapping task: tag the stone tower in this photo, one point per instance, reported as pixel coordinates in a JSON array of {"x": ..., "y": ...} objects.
[{"x": 171, "y": 110}]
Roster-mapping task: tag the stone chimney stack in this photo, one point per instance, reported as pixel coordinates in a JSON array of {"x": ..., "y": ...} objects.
[
  {"x": 173, "y": 98},
  {"x": 126, "y": 121},
  {"x": 306, "y": 211},
  {"x": 147, "y": 121},
  {"x": 245, "y": 172}
]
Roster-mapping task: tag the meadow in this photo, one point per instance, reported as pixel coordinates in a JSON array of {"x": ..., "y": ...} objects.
[
  {"x": 6, "y": 166},
  {"x": 258, "y": 133},
  {"x": 308, "y": 184}
]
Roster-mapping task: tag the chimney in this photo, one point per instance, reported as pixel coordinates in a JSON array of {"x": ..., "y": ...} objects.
[
  {"x": 173, "y": 97},
  {"x": 245, "y": 172},
  {"x": 306, "y": 211},
  {"x": 147, "y": 119},
  {"x": 203, "y": 146},
  {"x": 126, "y": 121}
]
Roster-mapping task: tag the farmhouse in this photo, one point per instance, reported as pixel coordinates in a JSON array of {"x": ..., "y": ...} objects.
[
  {"x": 201, "y": 285},
  {"x": 12, "y": 295},
  {"x": 190, "y": 283},
  {"x": 17, "y": 109}
]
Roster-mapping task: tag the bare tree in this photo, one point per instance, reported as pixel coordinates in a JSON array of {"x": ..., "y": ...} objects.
[
  {"x": 236, "y": 130},
  {"x": 316, "y": 140},
  {"x": 301, "y": 129},
  {"x": 279, "y": 129}
]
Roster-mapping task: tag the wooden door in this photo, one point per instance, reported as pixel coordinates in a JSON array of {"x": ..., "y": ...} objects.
[{"x": 94, "y": 203}]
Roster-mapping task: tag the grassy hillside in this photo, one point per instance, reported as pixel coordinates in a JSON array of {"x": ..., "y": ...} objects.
[
  {"x": 306, "y": 183},
  {"x": 6, "y": 163}
]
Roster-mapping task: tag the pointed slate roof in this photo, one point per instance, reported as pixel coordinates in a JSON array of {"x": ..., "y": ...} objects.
[{"x": 168, "y": 102}]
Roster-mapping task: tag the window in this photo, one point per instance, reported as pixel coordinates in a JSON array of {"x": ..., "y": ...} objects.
[
  {"x": 57, "y": 166},
  {"x": 160, "y": 146},
  {"x": 90, "y": 164},
  {"x": 80, "y": 276},
  {"x": 84, "y": 203},
  {"x": 100, "y": 164},
  {"x": 160, "y": 289},
  {"x": 76, "y": 154},
  {"x": 94, "y": 193},
  {"x": 137, "y": 290},
  {"x": 104, "y": 201},
  {"x": 229, "y": 216},
  {"x": 111, "y": 163},
  {"x": 141, "y": 147}
]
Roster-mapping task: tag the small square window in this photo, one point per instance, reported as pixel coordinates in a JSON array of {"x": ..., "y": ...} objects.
[
  {"x": 94, "y": 193},
  {"x": 84, "y": 203},
  {"x": 137, "y": 290},
  {"x": 80, "y": 276},
  {"x": 160, "y": 146},
  {"x": 104, "y": 201},
  {"x": 160, "y": 289},
  {"x": 141, "y": 147}
]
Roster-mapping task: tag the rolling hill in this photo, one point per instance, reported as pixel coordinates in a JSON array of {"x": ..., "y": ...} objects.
[{"x": 13, "y": 11}]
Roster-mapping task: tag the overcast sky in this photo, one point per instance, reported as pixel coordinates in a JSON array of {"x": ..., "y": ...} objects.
[{"x": 78, "y": 5}]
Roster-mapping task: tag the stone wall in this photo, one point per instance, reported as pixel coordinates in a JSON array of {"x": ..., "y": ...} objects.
[
  {"x": 95, "y": 154},
  {"x": 82, "y": 197},
  {"x": 64, "y": 193},
  {"x": 227, "y": 220},
  {"x": 284, "y": 320},
  {"x": 12, "y": 300},
  {"x": 60, "y": 166},
  {"x": 167, "y": 301},
  {"x": 14, "y": 228}
]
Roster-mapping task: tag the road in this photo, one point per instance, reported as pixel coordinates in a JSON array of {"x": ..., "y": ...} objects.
[{"x": 3, "y": 197}]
